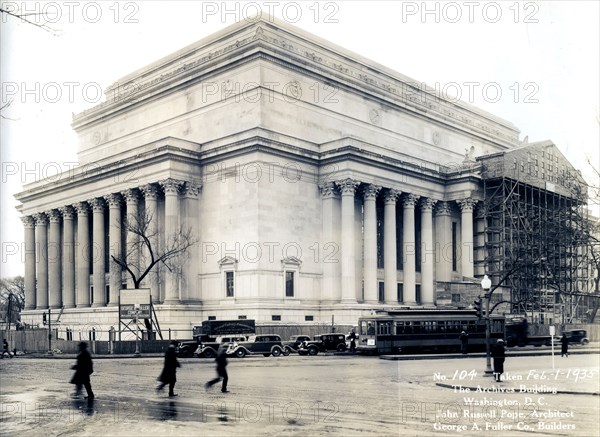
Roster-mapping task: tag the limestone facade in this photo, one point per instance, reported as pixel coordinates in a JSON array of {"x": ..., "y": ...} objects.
[{"x": 317, "y": 183}]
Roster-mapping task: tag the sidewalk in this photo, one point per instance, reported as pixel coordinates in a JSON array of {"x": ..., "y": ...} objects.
[{"x": 514, "y": 352}]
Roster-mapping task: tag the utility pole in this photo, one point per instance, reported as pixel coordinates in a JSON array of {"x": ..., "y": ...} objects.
[{"x": 49, "y": 333}]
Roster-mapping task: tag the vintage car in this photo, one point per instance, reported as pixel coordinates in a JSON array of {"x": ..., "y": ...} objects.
[
  {"x": 186, "y": 348},
  {"x": 260, "y": 344},
  {"x": 293, "y": 344},
  {"x": 323, "y": 343},
  {"x": 575, "y": 336},
  {"x": 209, "y": 347}
]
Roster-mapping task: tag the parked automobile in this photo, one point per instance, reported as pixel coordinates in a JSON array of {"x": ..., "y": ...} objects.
[
  {"x": 324, "y": 343},
  {"x": 210, "y": 347},
  {"x": 293, "y": 344},
  {"x": 186, "y": 348},
  {"x": 575, "y": 336},
  {"x": 261, "y": 344}
]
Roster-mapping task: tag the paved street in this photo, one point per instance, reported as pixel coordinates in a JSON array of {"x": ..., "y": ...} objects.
[{"x": 305, "y": 396}]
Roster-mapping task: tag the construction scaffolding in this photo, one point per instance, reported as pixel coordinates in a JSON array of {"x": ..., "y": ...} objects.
[{"x": 534, "y": 214}]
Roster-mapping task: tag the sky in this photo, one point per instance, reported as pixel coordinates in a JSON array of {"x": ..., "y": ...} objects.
[{"x": 535, "y": 64}]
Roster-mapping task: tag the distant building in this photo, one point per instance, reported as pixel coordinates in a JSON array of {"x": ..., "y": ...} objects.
[{"x": 319, "y": 184}]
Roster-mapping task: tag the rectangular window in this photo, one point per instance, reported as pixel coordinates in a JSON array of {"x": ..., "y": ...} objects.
[
  {"x": 229, "y": 284},
  {"x": 275, "y": 318},
  {"x": 381, "y": 292},
  {"x": 212, "y": 317},
  {"x": 308, "y": 318},
  {"x": 400, "y": 292},
  {"x": 418, "y": 293},
  {"x": 289, "y": 284},
  {"x": 455, "y": 297},
  {"x": 241, "y": 317},
  {"x": 454, "y": 263}
]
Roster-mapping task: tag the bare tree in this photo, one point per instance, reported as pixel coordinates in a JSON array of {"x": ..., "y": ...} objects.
[
  {"x": 12, "y": 297},
  {"x": 12, "y": 10},
  {"x": 150, "y": 254}
]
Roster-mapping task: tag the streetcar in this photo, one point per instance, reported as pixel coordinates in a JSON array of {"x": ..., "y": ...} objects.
[{"x": 419, "y": 330}]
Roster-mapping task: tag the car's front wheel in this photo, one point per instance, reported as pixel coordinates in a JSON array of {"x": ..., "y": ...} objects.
[
  {"x": 240, "y": 353},
  {"x": 209, "y": 353},
  {"x": 286, "y": 352},
  {"x": 341, "y": 347},
  {"x": 276, "y": 352},
  {"x": 585, "y": 341},
  {"x": 312, "y": 351}
]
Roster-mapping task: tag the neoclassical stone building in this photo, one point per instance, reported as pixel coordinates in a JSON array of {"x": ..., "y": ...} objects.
[{"x": 317, "y": 183}]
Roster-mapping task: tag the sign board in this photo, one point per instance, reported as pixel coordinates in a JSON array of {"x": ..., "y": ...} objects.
[
  {"x": 228, "y": 327},
  {"x": 135, "y": 302},
  {"x": 552, "y": 330}
]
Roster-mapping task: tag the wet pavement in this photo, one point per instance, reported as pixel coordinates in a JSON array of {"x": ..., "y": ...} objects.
[{"x": 304, "y": 396}]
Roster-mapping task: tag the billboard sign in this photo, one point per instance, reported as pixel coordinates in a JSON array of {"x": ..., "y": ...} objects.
[{"x": 135, "y": 302}]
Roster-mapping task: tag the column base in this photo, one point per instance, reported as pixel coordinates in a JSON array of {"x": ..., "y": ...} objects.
[
  {"x": 412, "y": 304},
  {"x": 30, "y": 307},
  {"x": 171, "y": 302},
  {"x": 348, "y": 301},
  {"x": 68, "y": 306},
  {"x": 42, "y": 307},
  {"x": 83, "y": 305},
  {"x": 112, "y": 304},
  {"x": 98, "y": 305},
  {"x": 55, "y": 307}
]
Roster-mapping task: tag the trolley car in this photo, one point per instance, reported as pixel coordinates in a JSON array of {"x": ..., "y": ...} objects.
[{"x": 390, "y": 332}]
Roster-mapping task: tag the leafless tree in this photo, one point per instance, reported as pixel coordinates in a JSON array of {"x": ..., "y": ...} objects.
[
  {"x": 12, "y": 297},
  {"x": 32, "y": 18},
  {"x": 150, "y": 254}
]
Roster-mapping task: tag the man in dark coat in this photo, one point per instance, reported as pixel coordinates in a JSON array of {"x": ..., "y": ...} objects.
[
  {"x": 564, "y": 346},
  {"x": 498, "y": 353},
  {"x": 83, "y": 369},
  {"x": 5, "y": 349},
  {"x": 221, "y": 361},
  {"x": 352, "y": 341},
  {"x": 464, "y": 342},
  {"x": 169, "y": 372}
]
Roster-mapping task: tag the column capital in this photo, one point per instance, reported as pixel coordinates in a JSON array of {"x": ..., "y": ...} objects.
[
  {"x": 467, "y": 205},
  {"x": 171, "y": 186},
  {"x": 410, "y": 200},
  {"x": 370, "y": 191},
  {"x": 131, "y": 195},
  {"x": 97, "y": 204},
  {"x": 54, "y": 215},
  {"x": 114, "y": 200},
  {"x": 328, "y": 190},
  {"x": 191, "y": 189},
  {"x": 347, "y": 186},
  {"x": 391, "y": 195},
  {"x": 150, "y": 191},
  {"x": 28, "y": 221},
  {"x": 443, "y": 208},
  {"x": 67, "y": 212},
  {"x": 82, "y": 208},
  {"x": 40, "y": 219},
  {"x": 427, "y": 204}
]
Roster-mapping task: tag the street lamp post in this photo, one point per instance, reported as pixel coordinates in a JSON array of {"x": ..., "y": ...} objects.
[
  {"x": 486, "y": 285},
  {"x": 137, "y": 335}
]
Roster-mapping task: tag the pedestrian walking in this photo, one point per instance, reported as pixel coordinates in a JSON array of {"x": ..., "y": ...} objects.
[
  {"x": 169, "y": 372},
  {"x": 83, "y": 369},
  {"x": 464, "y": 342},
  {"x": 221, "y": 361},
  {"x": 352, "y": 341},
  {"x": 564, "y": 346},
  {"x": 498, "y": 353},
  {"x": 5, "y": 349}
]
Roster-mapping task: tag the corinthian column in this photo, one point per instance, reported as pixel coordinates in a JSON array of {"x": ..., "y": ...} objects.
[
  {"x": 331, "y": 291},
  {"x": 68, "y": 259},
  {"x": 466, "y": 230},
  {"x": 114, "y": 246},
  {"x": 444, "y": 239},
  {"x": 348, "y": 188},
  {"x": 151, "y": 214},
  {"x": 409, "y": 249},
  {"x": 41, "y": 254},
  {"x": 83, "y": 255},
  {"x": 189, "y": 288},
  {"x": 390, "y": 261},
  {"x": 171, "y": 188},
  {"x": 54, "y": 289},
  {"x": 428, "y": 254},
  {"x": 132, "y": 252},
  {"x": 99, "y": 266},
  {"x": 29, "y": 225},
  {"x": 370, "y": 243}
]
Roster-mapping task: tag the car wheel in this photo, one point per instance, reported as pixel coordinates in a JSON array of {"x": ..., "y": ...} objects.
[
  {"x": 585, "y": 341},
  {"x": 312, "y": 351},
  {"x": 240, "y": 353},
  {"x": 286, "y": 352},
  {"x": 341, "y": 347},
  {"x": 276, "y": 352},
  {"x": 209, "y": 353}
]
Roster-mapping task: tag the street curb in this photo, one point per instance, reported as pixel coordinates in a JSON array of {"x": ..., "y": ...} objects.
[
  {"x": 481, "y": 355},
  {"x": 562, "y": 392}
]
